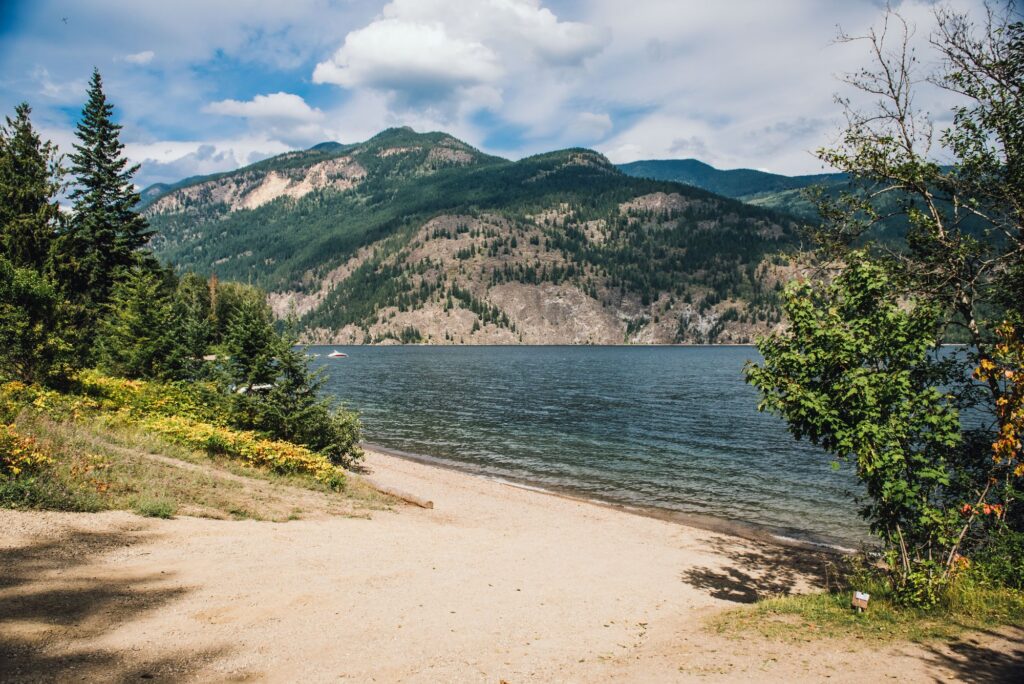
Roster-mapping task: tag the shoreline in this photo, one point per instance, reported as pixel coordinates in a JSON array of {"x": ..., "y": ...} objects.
[
  {"x": 495, "y": 583},
  {"x": 617, "y": 345},
  {"x": 742, "y": 529}
]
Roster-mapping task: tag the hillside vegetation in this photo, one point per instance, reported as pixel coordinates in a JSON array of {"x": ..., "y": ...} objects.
[
  {"x": 761, "y": 188},
  {"x": 414, "y": 237}
]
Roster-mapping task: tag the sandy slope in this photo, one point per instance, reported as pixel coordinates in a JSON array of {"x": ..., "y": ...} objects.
[{"x": 495, "y": 583}]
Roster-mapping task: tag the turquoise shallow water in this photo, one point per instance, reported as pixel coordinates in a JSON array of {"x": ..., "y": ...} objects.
[{"x": 672, "y": 428}]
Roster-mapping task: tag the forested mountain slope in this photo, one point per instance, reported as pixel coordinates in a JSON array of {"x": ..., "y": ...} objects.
[
  {"x": 420, "y": 237},
  {"x": 772, "y": 190}
]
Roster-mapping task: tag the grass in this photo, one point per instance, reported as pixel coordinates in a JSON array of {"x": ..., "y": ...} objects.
[
  {"x": 101, "y": 465},
  {"x": 156, "y": 508},
  {"x": 130, "y": 436},
  {"x": 967, "y": 606}
]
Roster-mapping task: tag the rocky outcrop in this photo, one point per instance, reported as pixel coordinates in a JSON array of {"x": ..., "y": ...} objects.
[{"x": 254, "y": 189}]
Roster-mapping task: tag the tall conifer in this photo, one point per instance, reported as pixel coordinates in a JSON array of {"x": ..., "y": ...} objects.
[
  {"x": 30, "y": 178},
  {"x": 106, "y": 231}
]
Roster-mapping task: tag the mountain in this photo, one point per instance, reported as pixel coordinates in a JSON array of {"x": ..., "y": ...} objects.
[
  {"x": 420, "y": 237},
  {"x": 760, "y": 188}
]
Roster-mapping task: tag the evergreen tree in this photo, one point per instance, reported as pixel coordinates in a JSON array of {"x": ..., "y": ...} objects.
[
  {"x": 293, "y": 404},
  {"x": 137, "y": 337},
  {"x": 274, "y": 390},
  {"x": 252, "y": 345},
  {"x": 106, "y": 233},
  {"x": 193, "y": 334},
  {"x": 33, "y": 327},
  {"x": 30, "y": 178}
]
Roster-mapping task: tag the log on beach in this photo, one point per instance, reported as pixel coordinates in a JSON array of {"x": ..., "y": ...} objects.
[{"x": 400, "y": 494}]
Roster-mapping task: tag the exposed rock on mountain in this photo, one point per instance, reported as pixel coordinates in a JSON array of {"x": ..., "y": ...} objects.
[{"x": 419, "y": 237}]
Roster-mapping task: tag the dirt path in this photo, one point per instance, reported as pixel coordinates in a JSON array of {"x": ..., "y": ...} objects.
[{"x": 495, "y": 583}]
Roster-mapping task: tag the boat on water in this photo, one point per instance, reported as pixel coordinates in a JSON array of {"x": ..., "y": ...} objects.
[{"x": 337, "y": 355}]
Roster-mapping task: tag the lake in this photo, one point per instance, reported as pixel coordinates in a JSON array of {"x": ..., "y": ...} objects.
[{"x": 668, "y": 428}]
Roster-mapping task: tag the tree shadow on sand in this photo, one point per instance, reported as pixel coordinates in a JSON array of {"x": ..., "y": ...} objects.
[
  {"x": 970, "y": 660},
  {"x": 756, "y": 571},
  {"x": 50, "y": 611}
]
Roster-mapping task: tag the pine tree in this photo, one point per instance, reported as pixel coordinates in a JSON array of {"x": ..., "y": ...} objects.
[
  {"x": 137, "y": 337},
  {"x": 106, "y": 233},
  {"x": 30, "y": 178},
  {"x": 194, "y": 330},
  {"x": 292, "y": 407},
  {"x": 252, "y": 346}
]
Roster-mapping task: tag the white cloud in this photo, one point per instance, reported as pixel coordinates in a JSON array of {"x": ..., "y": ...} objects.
[
  {"x": 740, "y": 83},
  {"x": 61, "y": 92},
  {"x": 144, "y": 57},
  {"x": 513, "y": 28},
  {"x": 457, "y": 56},
  {"x": 278, "y": 106},
  {"x": 397, "y": 55},
  {"x": 750, "y": 84},
  {"x": 280, "y": 116}
]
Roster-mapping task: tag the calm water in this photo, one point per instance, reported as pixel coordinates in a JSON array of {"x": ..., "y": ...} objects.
[{"x": 673, "y": 428}]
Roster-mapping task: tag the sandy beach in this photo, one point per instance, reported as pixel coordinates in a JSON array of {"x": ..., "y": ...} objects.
[{"x": 495, "y": 583}]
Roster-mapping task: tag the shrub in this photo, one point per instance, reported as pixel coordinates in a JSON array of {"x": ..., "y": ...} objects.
[
  {"x": 199, "y": 400},
  {"x": 999, "y": 562},
  {"x": 339, "y": 438},
  {"x": 194, "y": 414},
  {"x": 156, "y": 508},
  {"x": 19, "y": 455},
  {"x": 292, "y": 408},
  {"x": 34, "y": 327},
  {"x": 281, "y": 457}
]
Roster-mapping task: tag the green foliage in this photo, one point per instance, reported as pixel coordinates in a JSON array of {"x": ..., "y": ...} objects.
[
  {"x": 854, "y": 373},
  {"x": 156, "y": 508},
  {"x": 106, "y": 233},
  {"x": 138, "y": 336},
  {"x": 35, "y": 321},
  {"x": 274, "y": 391},
  {"x": 194, "y": 330},
  {"x": 712, "y": 245},
  {"x": 226, "y": 298},
  {"x": 252, "y": 345},
  {"x": 202, "y": 401},
  {"x": 34, "y": 327},
  {"x": 30, "y": 178},
  {"x": 998, "y": 561},
  {"x": 960, "y": 605}
]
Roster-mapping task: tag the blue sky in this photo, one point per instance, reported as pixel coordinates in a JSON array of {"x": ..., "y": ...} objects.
[{"x": 209, "y": 85}]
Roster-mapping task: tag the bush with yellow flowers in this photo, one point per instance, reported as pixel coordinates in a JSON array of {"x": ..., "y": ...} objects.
[
  {"x": 16, "y": 396},
  {"x": 19, "y": 455},
  {"x": 198, "y": 400},
  {"x": 191, "y": 414},
  {"x": 280, "y": 457}
]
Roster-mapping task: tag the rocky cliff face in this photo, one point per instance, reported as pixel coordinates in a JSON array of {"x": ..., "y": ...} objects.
[{"x": 421, "y": 238}]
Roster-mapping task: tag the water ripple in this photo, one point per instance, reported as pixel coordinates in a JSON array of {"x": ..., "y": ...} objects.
[{"x": 669, "y": 427}]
